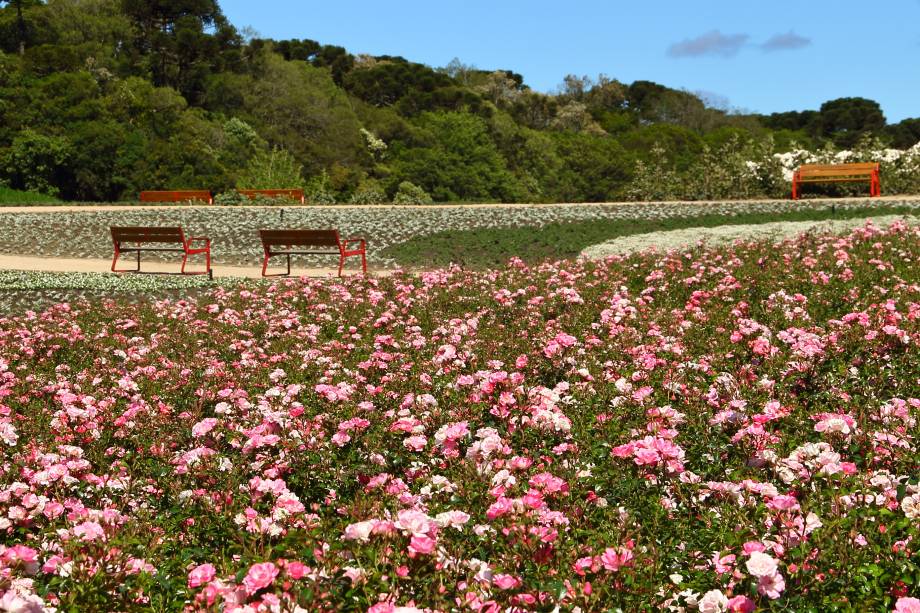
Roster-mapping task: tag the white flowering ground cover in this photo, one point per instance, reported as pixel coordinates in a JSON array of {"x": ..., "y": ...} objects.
[
  {"x": 22, "y": 291},
  {"x": 235, "y": 239},
  {"x": 728, "y": 428},
  {"x": 681, "y": 239}
]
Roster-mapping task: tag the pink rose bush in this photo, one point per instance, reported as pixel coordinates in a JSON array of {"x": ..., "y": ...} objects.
[{"x": 715, "y": 429}]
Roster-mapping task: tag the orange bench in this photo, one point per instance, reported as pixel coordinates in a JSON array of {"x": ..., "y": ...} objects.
[
  {"x": 177, "y": 196},
  {"x": 293, "y": 194},
  {"x": 134, "y": 239},
  {"x": 837, "y": 173},
  {"x": 285, "y": 242}
]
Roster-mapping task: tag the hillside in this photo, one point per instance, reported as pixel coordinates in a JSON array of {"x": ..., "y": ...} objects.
[{"x": 102, "y": 98}]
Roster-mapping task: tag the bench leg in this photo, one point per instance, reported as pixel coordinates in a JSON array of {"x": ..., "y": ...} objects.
[
  {"x": 184, "y": 260},
  {"x": 364, "y": 263},
  {"x": 115, "y": 262},
  {"x": 280, "y": 274},
  {"x": 795, "y": 194},
  {"x": 341, "y": 263}
]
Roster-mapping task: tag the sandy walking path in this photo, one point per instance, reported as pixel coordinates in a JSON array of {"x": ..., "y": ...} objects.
[
  {"x": 776, "y": 231},
  {"x": 22, "y": 262}
]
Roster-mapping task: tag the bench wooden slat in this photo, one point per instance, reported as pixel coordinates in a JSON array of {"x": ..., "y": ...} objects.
[
  {"x": 846, "y": 166},
  {"x": 151, "y": 234}
]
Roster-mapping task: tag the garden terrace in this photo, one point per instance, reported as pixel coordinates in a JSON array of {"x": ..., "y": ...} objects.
[{"x": 476, "y": 235}]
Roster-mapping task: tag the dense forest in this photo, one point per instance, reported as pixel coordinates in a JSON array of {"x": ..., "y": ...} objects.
[{"x": 102, "y": 98}]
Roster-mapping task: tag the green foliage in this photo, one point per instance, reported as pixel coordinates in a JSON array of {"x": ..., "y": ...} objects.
[
  {"x": 275, "y": 168},
  {"x": 230, "y": 198},
  {"x": 368, "y": 192},
  {"x": 319, "y": 190},
  {"x": 36, "y": 162},
  {"x": 460, "y": 161},
  {"x": 409, "y": 193}
]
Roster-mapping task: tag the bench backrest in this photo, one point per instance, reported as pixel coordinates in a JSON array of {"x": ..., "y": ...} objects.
[
  {"x": 176, "y": 195},
  {"x": 147, "y": 234},
  {"x": 300, "y": 238},
  {"x": 838, "y": 170},
  {"x": 293, "y": 194}
]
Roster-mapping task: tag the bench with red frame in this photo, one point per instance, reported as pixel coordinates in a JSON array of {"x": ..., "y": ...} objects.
[
  {"x": 177, "y": 196},
  {"x": 309, "y": 242},
  {"x": 837, "y": 173},
  {"x": 144, "y": 238},
  {"x": 292, "y": 194}
]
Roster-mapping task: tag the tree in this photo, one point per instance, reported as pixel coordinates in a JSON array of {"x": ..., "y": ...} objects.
[
  {"x": 21, "y": 25},
  {"x": 458, "y": 161},
  {"x": 180, "y": 42},
  {"x": 846, "y": 120},
  {"x": 905, "y": 134},
  {"x": 274, "y": 168},
  {"x": 36, "y": 162}
]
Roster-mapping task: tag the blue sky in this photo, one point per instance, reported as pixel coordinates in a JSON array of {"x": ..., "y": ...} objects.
[{"x": 758, "y": 55}]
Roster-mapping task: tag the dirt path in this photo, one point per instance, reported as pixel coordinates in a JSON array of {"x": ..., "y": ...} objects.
[
  {"x": 676, "y": 239},
  {"x": 20, "y": 262}
]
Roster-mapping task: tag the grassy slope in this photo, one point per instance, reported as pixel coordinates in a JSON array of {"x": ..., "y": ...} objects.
[
  {"x": 490, "y": 247},
  {"x": 12, "y": 197}
]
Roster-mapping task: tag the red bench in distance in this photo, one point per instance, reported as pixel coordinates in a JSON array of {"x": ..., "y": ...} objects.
[
  {"x": 177, "y": 196},
  {"x": 145, "y": 238},
  {"x": 293, "y": 194},
  {"x": 837, "y": 173},
  {"x": 310, "y": 242}
]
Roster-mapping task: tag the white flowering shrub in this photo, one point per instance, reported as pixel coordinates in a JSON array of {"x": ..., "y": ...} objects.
[{"x": 740, "y": 170}]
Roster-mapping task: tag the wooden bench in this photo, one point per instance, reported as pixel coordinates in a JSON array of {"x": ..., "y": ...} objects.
[
  {"x": 293, "y": 194},
  {"x": 153, "y": 239},
  {"x": 837, "y": 173},
  {"x": 177, "y": 196},
  {"x": 309, "y": 242}
]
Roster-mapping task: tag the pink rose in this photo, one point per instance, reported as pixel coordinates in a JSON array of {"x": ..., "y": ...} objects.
[
  {"x": 259, "y": 576},
  {"x": 359, "y": 531},
  {"x": 88, "y": 531},
  {"x": 740, "y": 604},
  {"x": 415, "y": 443},
  {"x": 296, "y": 570},
  {"x": 200, "y": 575},
  {"x": 771, "y": 586},
  {"x": 422, "y": 544},
  {"x": 907, "y": 605},
  {"x": 505, "y": 582},
  {"x": 761, "y": 565}
]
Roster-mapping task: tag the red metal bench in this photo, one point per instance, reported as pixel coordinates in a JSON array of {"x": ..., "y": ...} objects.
[
  {"x": 293, "y": 194},
  {"x": 142, "y": 237},
  {"x": 285, "y": 242},
  {"x": 837, "y": 173},
  {"x": 177, "y": 196}
]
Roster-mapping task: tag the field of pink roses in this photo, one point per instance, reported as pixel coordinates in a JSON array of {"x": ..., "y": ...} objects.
[{"x": 729, "y": 429}]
